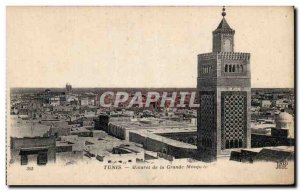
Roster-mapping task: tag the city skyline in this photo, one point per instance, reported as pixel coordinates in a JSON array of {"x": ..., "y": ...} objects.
[{"x": 155, "y": 49}]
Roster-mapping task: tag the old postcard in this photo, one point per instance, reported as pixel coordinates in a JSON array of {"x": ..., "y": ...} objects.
[{"x": 150, "y": 96}]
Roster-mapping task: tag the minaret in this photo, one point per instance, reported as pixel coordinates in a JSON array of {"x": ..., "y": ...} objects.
[
  {"x": 224, "y": 94},
  {"x": 223, "y": 36},
  {"x": 68, "y": 88}
]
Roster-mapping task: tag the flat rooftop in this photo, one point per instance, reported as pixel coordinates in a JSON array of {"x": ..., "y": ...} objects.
[
  {"x": 278, "y": 148},
  {"x": 173, "y": 130},
  {"x": 153, "y": 124},
  {"x": 171, "y": 142}
]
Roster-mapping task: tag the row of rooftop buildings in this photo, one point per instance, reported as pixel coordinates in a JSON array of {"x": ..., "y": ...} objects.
[{"x": 69, "y": 132}]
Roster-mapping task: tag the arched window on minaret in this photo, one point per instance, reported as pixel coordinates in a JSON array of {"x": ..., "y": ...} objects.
[
  {"x": 230, "y": 68},
  {"x": 231, "y": 144},
  {"x": 233, "y": 68},
  {"x": 240, "y": 143},
  {"x": 227, "y": 144},
  {"x": 226, "y": 68},
  {"x": 236, "y": 143}
]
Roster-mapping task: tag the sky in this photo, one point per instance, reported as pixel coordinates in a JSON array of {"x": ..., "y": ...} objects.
[{"x": 141, "y": 46}]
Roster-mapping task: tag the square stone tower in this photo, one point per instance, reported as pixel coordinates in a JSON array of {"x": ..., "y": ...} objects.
[{"x": 224, "y": 94}]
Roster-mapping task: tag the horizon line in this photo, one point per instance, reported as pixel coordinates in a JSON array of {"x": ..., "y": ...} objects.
[{"x": 148, "y": 87}]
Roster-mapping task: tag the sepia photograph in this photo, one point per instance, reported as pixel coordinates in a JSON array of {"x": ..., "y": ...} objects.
[{"x": 150, "y": 95}]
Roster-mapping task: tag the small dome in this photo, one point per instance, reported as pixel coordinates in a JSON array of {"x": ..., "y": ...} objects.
[
  {"x": 285, "y": 121},
  {"x": 284, "y": 117}
]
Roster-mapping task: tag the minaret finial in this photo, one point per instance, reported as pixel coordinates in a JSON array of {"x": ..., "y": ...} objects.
[{"x": 223, "y": 12}]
